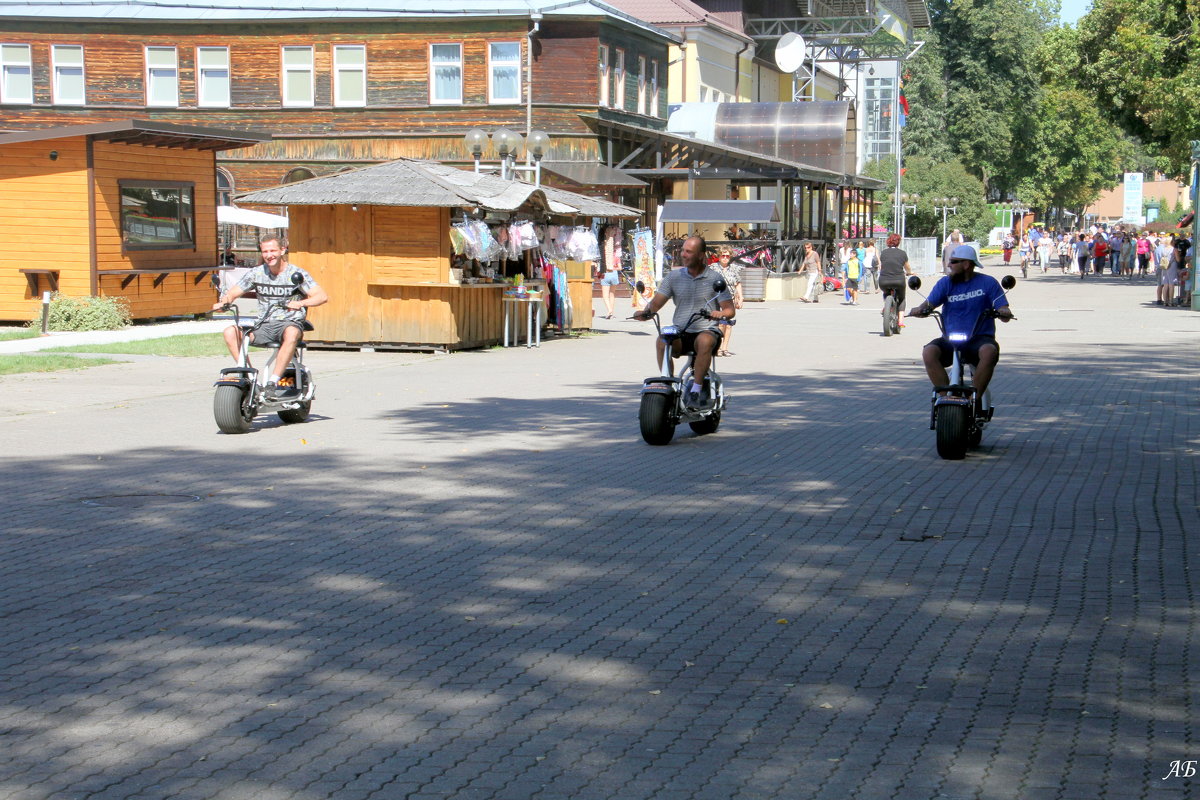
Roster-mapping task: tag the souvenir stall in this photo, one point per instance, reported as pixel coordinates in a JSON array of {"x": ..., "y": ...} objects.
[{"x": 420, "y": 255}]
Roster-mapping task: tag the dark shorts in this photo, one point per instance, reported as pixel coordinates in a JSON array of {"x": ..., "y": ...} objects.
[
  {"x": 970, "y": 350},
  {"x": 852, "y": 283},
  {"x": 688, "y": 340},
  {"x": 271, "y": 331}
]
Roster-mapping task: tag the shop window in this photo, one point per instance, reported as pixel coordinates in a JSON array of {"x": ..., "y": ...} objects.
[
  {"x": 162, "y": 77},
  {"x": 603, "y": 76},
  {"x": 445, "y": 74},
  {"x": 350, "y": 75},
  {"x": 641, "y": 103},
  {"x": 212, "y": 71},
  {"x": 619, "y": 79},
  {"x": 16, "y": 80},
  {"x": 68, "y": 85},
  {"x": 504, "y": 72},
  {"x": 157, "y": 215},
  {"x": 298, "y": 77}
]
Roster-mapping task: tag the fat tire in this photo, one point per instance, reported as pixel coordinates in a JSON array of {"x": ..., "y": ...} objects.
[
  {"x": 228, "y": 411},
  {"x": 951, "y": 425},
  {"x": 654, "y": 418},
  {"x": 889, "y": 312},
  {"x": 291, "y": 416},
  {"x": 707, "y": 425}
]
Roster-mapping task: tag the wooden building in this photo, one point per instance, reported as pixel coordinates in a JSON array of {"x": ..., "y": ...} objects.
[
  {"x": 112, "y": 209},
  {"x": 369, "y": 84},
  {"x": 378, "y": 240}
]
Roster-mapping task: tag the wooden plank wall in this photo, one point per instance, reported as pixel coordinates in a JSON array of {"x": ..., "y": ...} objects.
[
  {"x": 43, "y": 221},
  {"x": 178, "y": 293},
  {"x": 411, "y": 244},
  {"x": 331, "y": 243}
]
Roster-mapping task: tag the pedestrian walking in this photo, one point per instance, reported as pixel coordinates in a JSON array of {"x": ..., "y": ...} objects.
[
  {"x": 812, "y": 268},
  {"x": 1083, "y": 252}
]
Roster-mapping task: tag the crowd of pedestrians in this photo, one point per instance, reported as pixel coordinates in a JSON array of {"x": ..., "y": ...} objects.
[{"x": 1114, "y": 251}]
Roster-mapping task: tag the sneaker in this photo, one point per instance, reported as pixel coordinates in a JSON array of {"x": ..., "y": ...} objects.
[{"x": 271, "y": 390}]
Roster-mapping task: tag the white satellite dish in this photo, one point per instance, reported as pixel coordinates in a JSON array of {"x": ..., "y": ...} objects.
[{"x": 790, "y": 52}]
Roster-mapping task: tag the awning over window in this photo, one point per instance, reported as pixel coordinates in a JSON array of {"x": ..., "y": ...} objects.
[
  {"x": 586, "y": 173},
  {"x": 726, "y": 212}
]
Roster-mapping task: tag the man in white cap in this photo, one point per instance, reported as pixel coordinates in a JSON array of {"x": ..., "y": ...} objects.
[{"x": 967, "y": 296}]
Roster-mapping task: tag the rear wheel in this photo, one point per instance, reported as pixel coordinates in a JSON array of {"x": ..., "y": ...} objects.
[
  {"x": 951, "y": 429},
  {"x": 889, "y": 315},
  {"x": 229, "y": 409},
  {"x": 654, "y": 418}
]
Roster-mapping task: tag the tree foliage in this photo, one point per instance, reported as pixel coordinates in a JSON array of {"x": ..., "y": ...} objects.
[
  {"x": 930, "y": 179},
  {"x": 1136, "y": 59}
]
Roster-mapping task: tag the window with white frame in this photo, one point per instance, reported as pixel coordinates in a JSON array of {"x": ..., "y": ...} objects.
[
  {"x": 504, "y": 72},
  {"x": 641, "y": 106},
  {"x": 349, "y": 75},
  {"x": 654, "y": 88},
  {"x": 297, "y": 77},
  {"x": 603, "y": 76},
  {"x": 16, "y": 74},
  {"x": 162, "y": 77},
  {"x": 619, "y": 79},
  {"x": 445, "y": 73},
  {"x": 212, "y": 77},
  {"x": 68, "y": 87}
]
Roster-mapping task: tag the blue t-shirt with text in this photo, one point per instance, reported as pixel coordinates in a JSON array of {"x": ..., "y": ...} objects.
[{"x": 964, "y": 302}]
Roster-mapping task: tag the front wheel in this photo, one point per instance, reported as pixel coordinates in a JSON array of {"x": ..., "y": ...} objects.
[
  {"x": 951, "y": 426},
  {"x": 654, "y": 418},
  {"x": 290, "y": 416},
  {"x": 707, "y": 425},
  {"x": 229, "y": 409},
  {"x": 890, "y": 324}
]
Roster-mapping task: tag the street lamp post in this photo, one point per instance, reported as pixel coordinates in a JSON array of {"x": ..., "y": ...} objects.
[
  {"x": 508, "y": 147},
  {"x": 945, "y": 205},
  {"x": 1195, "y": 215},
  {"x": 905, "y": 202}
]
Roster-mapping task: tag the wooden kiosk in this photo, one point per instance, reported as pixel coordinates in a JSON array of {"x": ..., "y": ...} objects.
[
  {"x": 378, "y": 240},
  {"x": 112, "y": 209}
]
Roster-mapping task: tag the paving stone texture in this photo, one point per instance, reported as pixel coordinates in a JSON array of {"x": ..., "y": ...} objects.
[{"x": 467, "y": 577}]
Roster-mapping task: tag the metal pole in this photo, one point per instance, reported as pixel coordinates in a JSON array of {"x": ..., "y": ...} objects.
[
  {"x": 1195, "y": 216},
  {"x": 899, "y": 215}
]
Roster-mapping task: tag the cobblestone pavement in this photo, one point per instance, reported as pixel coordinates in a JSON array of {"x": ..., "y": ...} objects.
[{"x": 467, "y": 577}]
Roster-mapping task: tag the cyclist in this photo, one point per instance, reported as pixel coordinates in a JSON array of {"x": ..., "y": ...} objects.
[
  {"x": 893, "y": 269},
  {"x": 691, "y": 287},
  {"x": 967, "y": 295}
]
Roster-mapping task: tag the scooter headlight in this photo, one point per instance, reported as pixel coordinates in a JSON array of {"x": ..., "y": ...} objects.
[
  {"x": 957, "y": 337},
  {"x": 670, "y": 330}
]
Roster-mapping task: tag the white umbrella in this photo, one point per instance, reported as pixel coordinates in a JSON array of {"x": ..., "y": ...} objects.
[{"x": 246, "y": 216}]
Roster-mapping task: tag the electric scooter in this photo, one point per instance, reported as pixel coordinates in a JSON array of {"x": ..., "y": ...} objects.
[
  {"x": 662, "y": 404},
  {"x": 241, "y": 390},
  {"x": 957, "y": 413}
]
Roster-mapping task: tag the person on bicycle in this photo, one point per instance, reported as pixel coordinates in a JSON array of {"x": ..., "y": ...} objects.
[
  {"x": 967, "y": 295},
  {"x": 281, "y": 314},
  {"x": 893, "y": 271},
  {"x": 691, "y": 287}
]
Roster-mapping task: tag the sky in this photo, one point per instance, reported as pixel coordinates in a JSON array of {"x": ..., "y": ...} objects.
[{"x": 1072, "y": 10}]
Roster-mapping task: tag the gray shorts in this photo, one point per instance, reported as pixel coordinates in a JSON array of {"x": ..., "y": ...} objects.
[{"x": 271, "y": 331}]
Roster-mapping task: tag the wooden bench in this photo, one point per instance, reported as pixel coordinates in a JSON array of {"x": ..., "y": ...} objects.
[{"x": 34, "y": 276}]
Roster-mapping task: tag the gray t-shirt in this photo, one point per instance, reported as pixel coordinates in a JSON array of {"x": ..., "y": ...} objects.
[
  {"x": 690, "y": 294},
  {"x": 274, "y": 291}
]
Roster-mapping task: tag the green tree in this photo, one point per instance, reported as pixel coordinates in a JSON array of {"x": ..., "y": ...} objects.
[
  {"x": 931, "y": 178},
  {"x": 1137, "y": 62},
  {"x": 926, "y": 91},
  {"x": 988, "y": 50}
]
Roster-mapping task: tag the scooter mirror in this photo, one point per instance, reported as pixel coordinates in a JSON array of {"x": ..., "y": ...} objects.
[
  {"x": 914, "y": 282},
  {"x": 1007, "y": 282},
  {"x": 641, "y": 287},
  {"x": 297, "y": 279},
  {"x": 215, "y": 280},
  {"x": 719, "y": 285}
]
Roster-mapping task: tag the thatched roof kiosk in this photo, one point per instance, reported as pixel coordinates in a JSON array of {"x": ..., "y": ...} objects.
[{"x": 378, "y": 240}]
